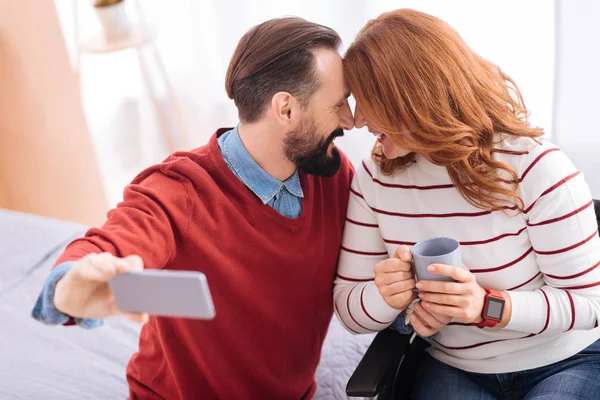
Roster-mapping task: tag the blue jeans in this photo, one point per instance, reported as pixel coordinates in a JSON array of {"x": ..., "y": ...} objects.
[{"x": 577, "y": 377}]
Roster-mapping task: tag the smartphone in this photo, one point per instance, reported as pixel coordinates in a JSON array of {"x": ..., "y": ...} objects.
[{"x": 171, "y": 293}]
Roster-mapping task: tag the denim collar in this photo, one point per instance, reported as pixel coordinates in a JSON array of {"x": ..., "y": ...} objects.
[{"x": 254, "y": 177}]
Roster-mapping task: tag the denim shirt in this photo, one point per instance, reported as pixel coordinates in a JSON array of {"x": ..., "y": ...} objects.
[{"x": 285, "y": 197}]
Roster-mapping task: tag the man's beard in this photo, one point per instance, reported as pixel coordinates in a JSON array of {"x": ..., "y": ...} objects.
[{"x": 309, "y": 153}]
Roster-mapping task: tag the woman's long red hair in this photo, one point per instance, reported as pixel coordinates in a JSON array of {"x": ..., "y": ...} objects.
[{"x": 410, "y": 70}]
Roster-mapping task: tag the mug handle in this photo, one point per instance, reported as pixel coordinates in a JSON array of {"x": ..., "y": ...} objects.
[{"x": 414, "y": 271}]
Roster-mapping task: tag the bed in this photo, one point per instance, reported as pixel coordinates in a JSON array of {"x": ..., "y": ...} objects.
[{"x": 71, "y": 363}]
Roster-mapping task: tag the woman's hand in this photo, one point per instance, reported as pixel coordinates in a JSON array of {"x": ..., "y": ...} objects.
[
  {"x": 394, "y": 279},
  {"x": 462, "y": 299},
  {"x": 426, "y": 323}
]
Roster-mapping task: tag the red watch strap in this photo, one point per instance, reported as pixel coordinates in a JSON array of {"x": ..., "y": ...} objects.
[{"x": 494, "y": 293}]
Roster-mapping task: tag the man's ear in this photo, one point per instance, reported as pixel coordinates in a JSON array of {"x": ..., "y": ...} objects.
[{"x": 284, "y": 107}]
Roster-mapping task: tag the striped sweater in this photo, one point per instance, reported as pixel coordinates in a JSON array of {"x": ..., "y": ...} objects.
[{"x": 546, "y": 257}]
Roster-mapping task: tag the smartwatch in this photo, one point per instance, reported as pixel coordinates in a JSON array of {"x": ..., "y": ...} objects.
[{"x": 493, "y": 307}]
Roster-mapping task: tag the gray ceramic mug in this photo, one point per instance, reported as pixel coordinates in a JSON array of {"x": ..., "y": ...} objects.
[{"x": 440, "y": 250}]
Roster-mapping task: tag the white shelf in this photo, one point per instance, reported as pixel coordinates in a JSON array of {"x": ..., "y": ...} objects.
[{"x": 138, "y": 36}]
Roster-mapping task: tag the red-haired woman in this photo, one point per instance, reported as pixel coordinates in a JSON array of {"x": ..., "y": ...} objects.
[{"x": 455, "y": 156}]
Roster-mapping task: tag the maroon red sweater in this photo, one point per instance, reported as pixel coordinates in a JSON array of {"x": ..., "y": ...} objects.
[{"x": 271, "y": 278}]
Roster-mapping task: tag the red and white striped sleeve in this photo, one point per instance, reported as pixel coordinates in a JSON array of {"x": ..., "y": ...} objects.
[
  {"x": 357, "y": 301},
  {"x": 563, "y": 231}
]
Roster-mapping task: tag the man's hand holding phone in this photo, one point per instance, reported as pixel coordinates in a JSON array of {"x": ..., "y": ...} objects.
[{"x": 85, "y": 292}]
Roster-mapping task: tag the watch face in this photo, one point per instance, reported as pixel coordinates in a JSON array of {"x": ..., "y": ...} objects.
[{"x": 494, "y": 308}]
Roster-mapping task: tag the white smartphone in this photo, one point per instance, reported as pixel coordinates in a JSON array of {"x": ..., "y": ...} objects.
[{"x": 169, "y": 293}]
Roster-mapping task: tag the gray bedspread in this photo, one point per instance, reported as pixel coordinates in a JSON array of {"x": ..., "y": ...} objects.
[{"x": 41, "y": 362}]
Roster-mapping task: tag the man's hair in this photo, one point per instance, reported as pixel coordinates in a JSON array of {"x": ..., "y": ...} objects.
[{"x": 276, "y": 56}]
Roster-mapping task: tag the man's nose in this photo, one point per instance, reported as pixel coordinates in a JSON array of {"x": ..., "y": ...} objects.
[{"x": 346, "y": 118}]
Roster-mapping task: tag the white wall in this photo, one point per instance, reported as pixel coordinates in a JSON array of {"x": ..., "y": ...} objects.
[{"x": 577, "y": 94}]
